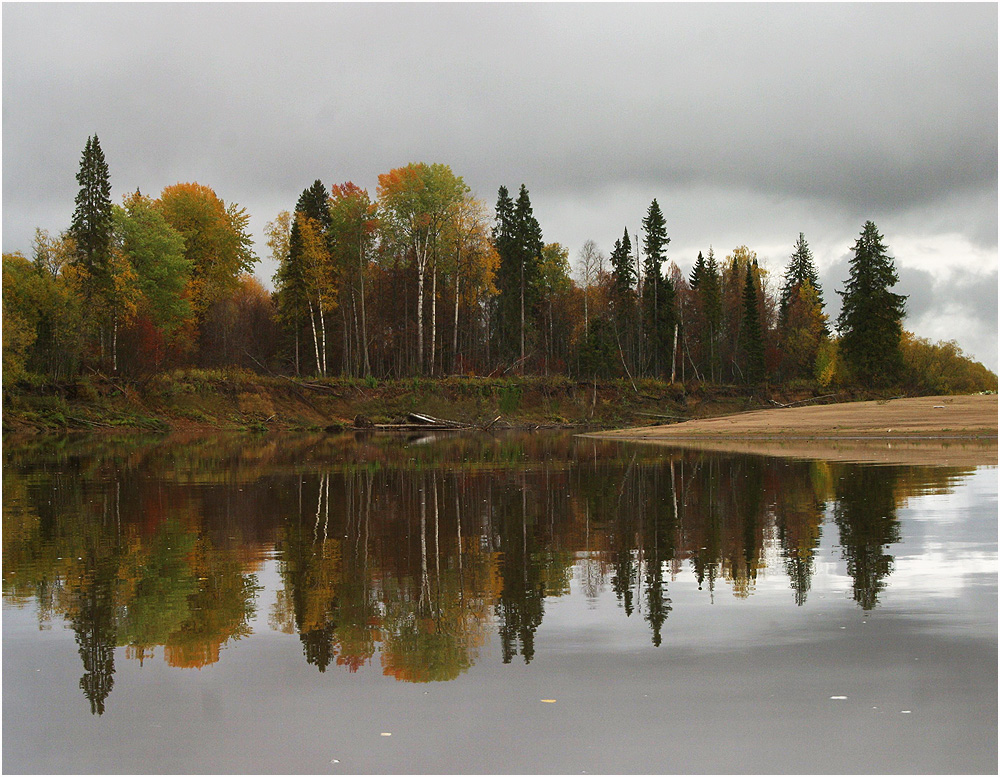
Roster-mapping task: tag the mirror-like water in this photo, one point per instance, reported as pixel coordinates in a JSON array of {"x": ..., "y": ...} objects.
[{"x": 518, "y": 604}]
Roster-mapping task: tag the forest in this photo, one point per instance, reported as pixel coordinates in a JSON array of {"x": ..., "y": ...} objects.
[{"x": 425, "y": 279}]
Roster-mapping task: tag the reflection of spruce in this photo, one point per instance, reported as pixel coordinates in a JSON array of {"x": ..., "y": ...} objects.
[
  {"x": 659, "y": 550},
  {"x": 96, "y": 635},
  {"x": 520, "y": 607},
  {"x": 865, "y": 513}
]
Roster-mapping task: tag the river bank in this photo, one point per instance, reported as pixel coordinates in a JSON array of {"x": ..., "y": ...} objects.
[
  {"x": 232, "y": 400},
  {"x": 959, "y": 430}
]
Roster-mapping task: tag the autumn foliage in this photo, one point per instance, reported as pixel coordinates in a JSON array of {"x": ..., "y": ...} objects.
[{"x": 426, "y": 279}]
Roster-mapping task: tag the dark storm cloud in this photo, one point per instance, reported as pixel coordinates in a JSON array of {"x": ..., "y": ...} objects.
[{"x": 752, "y": 122}]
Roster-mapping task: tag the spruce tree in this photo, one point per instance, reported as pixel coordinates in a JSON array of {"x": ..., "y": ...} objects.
[
  {"x": 656, "y": 241},
  {"x": 751, "y": 334},
  {"x": 710, "y": 297},
  {"x": 623, "y": 270},
  {"x": 871, "y": 316},
  {"x": 657, "y": 294},
  {"x": 800, "y": 269},
  {"x": 697, "y": 271},
  {"x": 508, "y": 280},
  {"x": 528, "y": 242},
  {"x": 517, "y": 237},
  {"x": 92, "y": 224}
]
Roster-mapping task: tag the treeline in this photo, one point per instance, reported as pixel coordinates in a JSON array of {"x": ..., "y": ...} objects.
[{"x": 426, "y": 279}]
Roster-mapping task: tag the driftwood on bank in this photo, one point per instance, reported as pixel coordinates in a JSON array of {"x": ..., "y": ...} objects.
[{"x": 422, "y": 422}]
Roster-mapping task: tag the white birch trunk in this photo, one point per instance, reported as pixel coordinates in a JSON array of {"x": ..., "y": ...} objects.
[{"x": 312, "y": 320}]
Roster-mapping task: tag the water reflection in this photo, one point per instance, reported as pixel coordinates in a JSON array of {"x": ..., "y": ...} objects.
[{"x": 411, "y": 556}]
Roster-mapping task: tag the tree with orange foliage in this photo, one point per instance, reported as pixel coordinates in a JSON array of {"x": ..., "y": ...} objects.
[{"x": 217, "y": 243}]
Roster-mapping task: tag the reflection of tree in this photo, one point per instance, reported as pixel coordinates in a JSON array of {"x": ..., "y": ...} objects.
[
  {"x": 520, "y": 606},
  {"x": 407, "y": 551},
  {"x": 310, "y": 567},
  {"x": 659, "y": 548},
  {"x": 865, "y": 513},
  {"x": 94, "y": 624},
  {"x": 703, "y": 520},
  {"x": 165, "y": 584},
  {"x": 799, "y": 512}
]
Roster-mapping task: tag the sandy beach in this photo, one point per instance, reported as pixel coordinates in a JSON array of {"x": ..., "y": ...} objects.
[{"x": 943, "y": 430}]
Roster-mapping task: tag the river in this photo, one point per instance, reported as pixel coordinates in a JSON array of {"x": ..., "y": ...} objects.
[{"x": 511, "y": 603}]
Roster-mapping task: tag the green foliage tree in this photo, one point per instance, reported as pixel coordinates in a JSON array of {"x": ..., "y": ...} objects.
[
  {"x": 353, "y": 223},
  {"x": 415, "y": 203},
  {"x": 803, "y": 333},
  {"x": 155, "y": 250},
  {"x": 942, "y": 368},
  {"x": 554, "y": 284},
  {"x": 871, "y": 315}
]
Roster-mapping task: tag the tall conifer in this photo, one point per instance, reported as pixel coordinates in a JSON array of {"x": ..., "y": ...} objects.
[
  {"x": 92, "y": 224},
  {"x": 751, "y": 333},
  {"x": 871, "y": 316},
  {"x": 800, "y": 269}
]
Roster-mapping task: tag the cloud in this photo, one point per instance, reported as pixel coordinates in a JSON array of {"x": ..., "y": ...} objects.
[{"x": 749, "y": 123}]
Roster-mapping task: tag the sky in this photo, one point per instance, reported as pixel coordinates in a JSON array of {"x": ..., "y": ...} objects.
[{"x": 748, "y": 123}]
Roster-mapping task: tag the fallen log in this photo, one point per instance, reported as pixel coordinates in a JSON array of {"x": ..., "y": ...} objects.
[{"x": 427, "y": 420}]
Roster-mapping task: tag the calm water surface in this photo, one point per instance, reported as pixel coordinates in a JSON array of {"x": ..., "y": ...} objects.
[{"x": 517, "y": 604}]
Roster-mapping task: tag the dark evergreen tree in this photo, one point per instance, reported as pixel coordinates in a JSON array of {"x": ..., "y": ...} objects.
[
  {"x": 623, "y": 271},
  {"x": 751, "y": 334},
  {"x": 871, "y": 316},
  {"x": 697, "y": 271},
  {"x": 800, "y": 268},
  {"x": 710, "y": 299},
  {"x": 528, "y": 237},
  {"x": 92, "y": 224},
  {"x": 658, "y": 298},
  {"x": 506, "y": 305},
  {"x": 517, "y": 237},
  {"x": 656, "y": 241},
  {"x": 291, "y": 295},
  {"x": 598, "y": 352}
]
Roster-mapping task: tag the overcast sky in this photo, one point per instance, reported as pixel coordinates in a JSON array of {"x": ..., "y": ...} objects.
[{"x": 748, "y": 123}]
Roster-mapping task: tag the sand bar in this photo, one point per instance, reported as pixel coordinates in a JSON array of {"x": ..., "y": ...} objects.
[{"x": 944, "y": 430}]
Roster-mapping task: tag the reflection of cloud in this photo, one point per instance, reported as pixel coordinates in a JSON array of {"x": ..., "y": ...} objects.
[{"x": 939, "y": 572}]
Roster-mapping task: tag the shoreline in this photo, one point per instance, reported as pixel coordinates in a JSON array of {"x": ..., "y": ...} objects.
[{"x": 942, "y": 430}]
